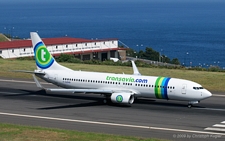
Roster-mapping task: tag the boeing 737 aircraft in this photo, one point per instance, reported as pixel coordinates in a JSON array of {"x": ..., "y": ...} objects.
[{"x": 118, "y": 88}]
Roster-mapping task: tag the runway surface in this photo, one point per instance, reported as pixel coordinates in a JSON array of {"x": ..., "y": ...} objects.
[{"x": 21, "y": 102}]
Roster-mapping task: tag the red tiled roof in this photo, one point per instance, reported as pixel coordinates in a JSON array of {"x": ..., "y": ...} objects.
[{"x": 47, "y": 41}]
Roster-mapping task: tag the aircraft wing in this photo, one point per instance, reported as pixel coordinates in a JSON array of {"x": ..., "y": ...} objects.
[{"x": 102, "y": 91}]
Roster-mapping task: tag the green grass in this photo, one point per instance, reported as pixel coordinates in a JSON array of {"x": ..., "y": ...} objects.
[
  {"x": 213, "y": 81},
  {"x": 2, "y": 38},
  {"x": 27, "y": 133}
]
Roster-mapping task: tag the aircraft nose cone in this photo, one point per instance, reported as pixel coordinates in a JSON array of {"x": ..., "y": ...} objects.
[{"x": 207, "y": 94}]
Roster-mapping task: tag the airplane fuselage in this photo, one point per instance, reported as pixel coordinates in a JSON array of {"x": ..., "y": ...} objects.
[{"x": 142, "y": 86}]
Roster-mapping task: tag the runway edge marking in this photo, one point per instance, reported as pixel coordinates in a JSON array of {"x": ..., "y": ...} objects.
[{"x": 106, "y": 123}]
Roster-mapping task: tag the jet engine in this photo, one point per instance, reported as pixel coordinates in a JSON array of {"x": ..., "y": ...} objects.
[{"x": 124, "y": 98}]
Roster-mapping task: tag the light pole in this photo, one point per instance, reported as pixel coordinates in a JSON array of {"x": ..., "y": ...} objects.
[
  {"x": 160, "y": 60},
  {"x": 187, "y": 59},
  {"x": 6, "y": 31},
  {"x": 139, "y": 49},
  {"x": 12, "y": 33}
]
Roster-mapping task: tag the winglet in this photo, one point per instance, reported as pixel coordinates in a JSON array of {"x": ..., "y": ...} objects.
[
  {"x": 38, "y": 83},
  {"x": 135, "y": 69}
]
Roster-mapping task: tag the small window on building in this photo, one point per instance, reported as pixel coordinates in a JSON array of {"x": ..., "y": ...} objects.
[
  {"x": 113, "y": 42},
  {"x": 95, "y": 43},
  {"x": 12, "y": 50},
  {"x": 56, "y": 47},
  {"x": 76, "y": 45},
  {"x": 66, "y": 46},
  {"x": 104, "y": 43},
  {"x": 0, "y": 51},
  {"x": 24, "y": 49},
  {"x": 85, "y": 44}
]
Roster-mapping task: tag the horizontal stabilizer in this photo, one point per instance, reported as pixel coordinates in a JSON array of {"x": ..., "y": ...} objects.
[{"x": 33, "y": 72}]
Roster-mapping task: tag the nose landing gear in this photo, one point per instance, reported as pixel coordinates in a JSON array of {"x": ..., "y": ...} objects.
[{"x": 190, "y": 103}]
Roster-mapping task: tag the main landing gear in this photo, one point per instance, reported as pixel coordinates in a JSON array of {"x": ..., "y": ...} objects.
[
  {"x": 189, "y": 105},
  {"x": 107, "y": 99}
]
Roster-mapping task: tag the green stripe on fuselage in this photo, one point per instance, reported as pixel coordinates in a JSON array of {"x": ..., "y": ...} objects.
[{"x": 157, "y": 87}]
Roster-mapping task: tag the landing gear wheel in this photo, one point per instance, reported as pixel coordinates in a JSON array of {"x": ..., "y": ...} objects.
[
  {"x": 105, "y": 101},
  {"x": 189, "y": 105}
]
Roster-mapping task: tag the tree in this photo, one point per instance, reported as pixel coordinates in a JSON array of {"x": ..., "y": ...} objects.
[
  {"x": 130, "y": 52},
  {"x": 175, "y": 61},
  {"x": 165, "y": 59},
  {"x": 151, "y": 54}
]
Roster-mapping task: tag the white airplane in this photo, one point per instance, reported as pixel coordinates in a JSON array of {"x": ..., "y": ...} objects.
[{"x": 118, "y": 88}]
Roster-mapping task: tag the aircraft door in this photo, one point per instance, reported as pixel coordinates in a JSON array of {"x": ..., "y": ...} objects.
[{"x": 184, "y": 88}]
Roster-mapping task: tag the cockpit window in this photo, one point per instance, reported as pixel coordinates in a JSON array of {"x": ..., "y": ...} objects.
[{"x": 198, "y": 88}]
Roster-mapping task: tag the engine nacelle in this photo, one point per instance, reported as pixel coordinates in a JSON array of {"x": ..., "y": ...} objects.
[{"x": 125, "y": 98}]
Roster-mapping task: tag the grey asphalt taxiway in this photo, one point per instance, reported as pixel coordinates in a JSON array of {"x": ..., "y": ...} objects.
[{"x": 21, "y": 102}]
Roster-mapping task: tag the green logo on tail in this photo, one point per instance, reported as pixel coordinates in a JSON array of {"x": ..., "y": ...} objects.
[{"x": 43, "y": 58}]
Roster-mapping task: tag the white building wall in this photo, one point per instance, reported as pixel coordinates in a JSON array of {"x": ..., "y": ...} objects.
[{"x": 58, "y": 49}]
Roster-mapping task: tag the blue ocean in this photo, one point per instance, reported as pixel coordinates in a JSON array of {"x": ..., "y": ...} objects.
[{"x": 191, "y": 30}]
